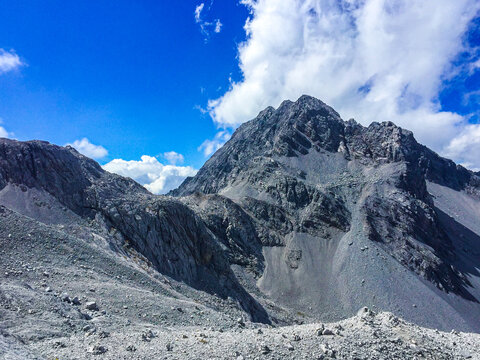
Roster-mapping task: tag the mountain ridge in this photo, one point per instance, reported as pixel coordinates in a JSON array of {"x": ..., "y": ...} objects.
[
  {"x": 273, "y": 164},
  {"x": 300, "y": 217}
]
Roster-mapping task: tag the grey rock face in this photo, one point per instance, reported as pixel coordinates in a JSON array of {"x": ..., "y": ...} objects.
[
  {"x": 301, "y": 169},
  {"x": 167, "y": 233}
]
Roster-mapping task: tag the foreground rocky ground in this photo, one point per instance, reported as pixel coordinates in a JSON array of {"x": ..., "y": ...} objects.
[{"x": 365, "y": 336}]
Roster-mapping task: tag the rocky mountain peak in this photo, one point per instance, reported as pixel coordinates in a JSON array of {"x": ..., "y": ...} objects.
[{"x": 301, "y": 169}]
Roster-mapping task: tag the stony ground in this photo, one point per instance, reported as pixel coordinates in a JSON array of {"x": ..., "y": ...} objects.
[{"x": 365, "y": 336}]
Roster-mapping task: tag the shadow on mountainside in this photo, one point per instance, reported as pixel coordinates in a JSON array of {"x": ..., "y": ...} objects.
[{"x": 467, "y": 252}]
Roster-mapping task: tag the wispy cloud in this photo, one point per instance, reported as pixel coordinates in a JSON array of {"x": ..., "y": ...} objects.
[
  {"x": 153, "y": 175},
  {"x": 206, "y": 27},
  {"x": 218, "y": 26},
  {"x": 9, "y": 61},
  {"x": 85, "y": 147},
  {"x": 372, "y": 60}
]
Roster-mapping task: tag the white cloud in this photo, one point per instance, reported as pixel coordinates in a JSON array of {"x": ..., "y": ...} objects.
[
  {"x": 9, "y": 61},
  {"x": 4, "y": 133},
  {"x": 372, "y": 60},
  {"x": 85, "y": 147},
  {"x": 218, "y": 26},
  {"x": 206, "y": 27},
  {"x": 466, "y": 147},
  {"x": 154, "y": 176},
  {"x": 208, "y": 147},
  {"x": 173, "y": 158},
  {"x": 198, "y": 12}
]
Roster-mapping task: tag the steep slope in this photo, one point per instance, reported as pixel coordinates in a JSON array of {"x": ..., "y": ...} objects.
[
  {"x": 58, "y": 186},
  {"x": 343, "y": 216}
]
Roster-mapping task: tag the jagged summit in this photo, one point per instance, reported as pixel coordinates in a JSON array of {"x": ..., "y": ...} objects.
[{"x": 306, "y": 125}]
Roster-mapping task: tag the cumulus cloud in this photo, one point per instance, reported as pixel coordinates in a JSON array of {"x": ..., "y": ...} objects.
[
  {"x": 153, "y": 175},
  {"x": 465, "y": 147},
  {"x": 206, "y": 27},
  {"x": 373, "y": 60},
  {"x": 208, "y": 147},
  {"x": 85, "y": 147},
  {"x": 173, "y": 157},
  {"x": 9, "y": 60}
]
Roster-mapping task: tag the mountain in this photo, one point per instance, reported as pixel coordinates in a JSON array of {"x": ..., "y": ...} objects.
[
  {"x": 347, "y": 215},
  {"x": 300, "y": 217}
]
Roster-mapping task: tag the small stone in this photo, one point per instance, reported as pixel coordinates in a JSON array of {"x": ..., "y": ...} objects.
[
  {"x": 296, "y": 337},
  {"x": 76, "y": 301},
  {"x": 264, "y": 349},
  {"x": 169, "y": 347},
  {"x": 148, "y": 336},
  {"x": 98, "y": 350},
  {"x": 240, "y": 322},
  {"x": 104, "y": 334},
  {"x": 48, "y": 289},
  {"x": 66, "y": 298},
  {"x": 131, "y": 348},
  {"x": 327, "y": 332},
  {"x": 319, "y": 331},
  {"x": 327, "y": 351},
  {"x": 91, "y": 305},
  {"x": 289, "y": 347},
  {"x": 89, "y": 329},
  {"x": 59, "y": 345}
]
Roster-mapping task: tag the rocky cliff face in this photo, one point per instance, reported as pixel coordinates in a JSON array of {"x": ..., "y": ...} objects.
[
  {"x": 300, "y": 172},
  {"x": 173, "y": 239}
]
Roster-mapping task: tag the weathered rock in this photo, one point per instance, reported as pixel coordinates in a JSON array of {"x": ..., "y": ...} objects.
[
  {"x": 91, "y": 305},
  {"x": 98, "y": 350},
  {"x": 76, "y": 301}
]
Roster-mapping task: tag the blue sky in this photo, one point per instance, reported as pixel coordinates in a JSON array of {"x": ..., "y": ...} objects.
[
  {"x": 125, "y": 74},
  {"x": 148, "y": 82}
]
